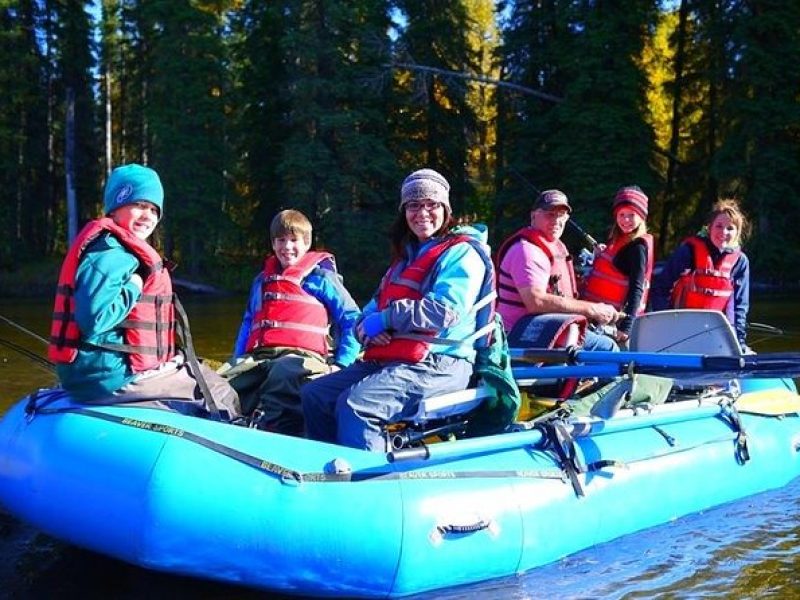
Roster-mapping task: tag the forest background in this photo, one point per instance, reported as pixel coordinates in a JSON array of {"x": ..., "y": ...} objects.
[{"x": 248, "y": 107}]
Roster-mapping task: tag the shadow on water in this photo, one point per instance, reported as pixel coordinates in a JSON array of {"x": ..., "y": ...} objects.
[
  {"x": 35, "y": 566},
  {"x": 748, "y": 549}
]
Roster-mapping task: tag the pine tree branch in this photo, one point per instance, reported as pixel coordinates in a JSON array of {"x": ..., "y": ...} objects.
[{"x": 479, "y": 78}]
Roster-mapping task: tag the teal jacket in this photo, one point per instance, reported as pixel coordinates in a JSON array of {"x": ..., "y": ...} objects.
[
  {"x": 104, "y": 295},
  {"x": 453, "y": 287}
]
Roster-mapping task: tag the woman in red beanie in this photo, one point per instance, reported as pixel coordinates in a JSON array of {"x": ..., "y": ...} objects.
[{"x": 622, "y": 269}]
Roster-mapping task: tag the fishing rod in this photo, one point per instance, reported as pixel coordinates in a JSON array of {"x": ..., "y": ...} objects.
[
  {"x": 23, "y": 329},
  {"x": 764, "y": 328},
  {"x": 38, "y": 360},
  {"x": 578, "y": 229}
]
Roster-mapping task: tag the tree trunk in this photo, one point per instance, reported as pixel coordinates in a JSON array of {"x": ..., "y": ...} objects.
[
  {"x": 69, "y": 168},
  {"x": 669, "y": 193}
]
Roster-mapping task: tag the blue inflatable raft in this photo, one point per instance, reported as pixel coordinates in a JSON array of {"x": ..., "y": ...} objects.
[
  {"x": 184, "y": 495},
  {"x": 195, "y": 497}
]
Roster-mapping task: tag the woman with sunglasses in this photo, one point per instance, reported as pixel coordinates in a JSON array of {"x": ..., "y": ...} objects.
[{"x": 419, "y": 329}]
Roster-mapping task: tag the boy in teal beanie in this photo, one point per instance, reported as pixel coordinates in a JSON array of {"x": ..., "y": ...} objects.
[
  {"x": 130, "y": 183},
  {"x": 113, "y": 334}
]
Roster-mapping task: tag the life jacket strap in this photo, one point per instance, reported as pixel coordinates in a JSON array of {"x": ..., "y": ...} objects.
[
  {"x": 304, "y": 298},
  {"x": 271, "y": 324}
]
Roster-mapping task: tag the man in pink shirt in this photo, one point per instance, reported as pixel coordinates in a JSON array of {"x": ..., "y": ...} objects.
[{"x": 535, "y": 273}]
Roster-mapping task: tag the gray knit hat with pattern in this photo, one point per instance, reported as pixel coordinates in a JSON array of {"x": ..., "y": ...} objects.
[{"x": 425, "y": 184}]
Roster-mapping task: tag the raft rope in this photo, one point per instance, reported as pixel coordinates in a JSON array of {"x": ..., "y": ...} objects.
[
  {"x": 557, "y": 434},
  {"x": 561, "y": 441},
  {"x": 667, "y": 437},
  {"x": 731, "y": 415},
  {"x": 291, "y": 476}
]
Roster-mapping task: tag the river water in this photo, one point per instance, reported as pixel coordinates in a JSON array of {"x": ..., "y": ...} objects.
[{"x": 747, "y": 549}]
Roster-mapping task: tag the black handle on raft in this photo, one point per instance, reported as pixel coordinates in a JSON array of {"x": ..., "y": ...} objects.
[
  {"x": 443, "y": 529},
  {"x": 418, "y": 453},
  {"x": 540, "y": 355}
]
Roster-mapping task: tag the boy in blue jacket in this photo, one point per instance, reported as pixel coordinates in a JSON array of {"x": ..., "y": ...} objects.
[
  {"x": 297, "y": 304},
  {"x": 113, "y": 335}
]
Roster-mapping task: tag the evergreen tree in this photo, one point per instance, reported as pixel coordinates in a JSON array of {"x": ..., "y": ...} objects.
[
  {"x": 760, "y": 159},
  {"x": 592, "y": 137},
  {"x": 185, "y": 133},
  {"x": 76, "y": 50},
  {"x": 603, "y": 141},
  {"x": 527, "y": 121},
  {"x": 23, "y": 135},
  {"x": 483, "y": 39},
  {"x": 433, "y": 120},
  {"x": 675, "y": 61},
  {"x": 334, "y": 163},
  {"x": 259, "y": 125}
]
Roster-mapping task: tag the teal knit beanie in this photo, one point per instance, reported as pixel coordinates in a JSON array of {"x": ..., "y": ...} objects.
[{"x": 133, "y": 183}]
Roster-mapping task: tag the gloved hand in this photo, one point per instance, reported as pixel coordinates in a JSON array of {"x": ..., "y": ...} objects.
[{"x": 373, "y": 324}]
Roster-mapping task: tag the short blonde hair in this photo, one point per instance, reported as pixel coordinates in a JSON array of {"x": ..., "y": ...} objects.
[{"x": 290, "y": 222}]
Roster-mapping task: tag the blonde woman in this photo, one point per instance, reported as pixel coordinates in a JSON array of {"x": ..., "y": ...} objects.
[{"x": 709, "y": 270}]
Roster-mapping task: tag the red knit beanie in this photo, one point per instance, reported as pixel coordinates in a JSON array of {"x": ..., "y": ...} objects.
[{"x": 632, "y": 197}]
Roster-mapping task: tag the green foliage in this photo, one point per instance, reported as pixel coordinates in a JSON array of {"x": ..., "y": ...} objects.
[
  {"x": 595, "y": 139},
  {"x": 249, "y": 107},
  {"x": 431, "y": 124}
]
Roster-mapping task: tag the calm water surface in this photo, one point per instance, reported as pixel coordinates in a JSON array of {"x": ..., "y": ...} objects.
[{"x": 748, "y": 549}]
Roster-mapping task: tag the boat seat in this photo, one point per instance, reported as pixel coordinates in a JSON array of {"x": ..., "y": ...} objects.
[
  {"x": 688, "y": 331},
  {"x": 437, "y": 416},
  {"x": 549, "y": 331},
  {"x": 443, "y": 416},
  {"x": 447, "y": 405}
]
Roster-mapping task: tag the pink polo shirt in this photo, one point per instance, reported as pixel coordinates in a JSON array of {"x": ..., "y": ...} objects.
[{"x": 528, "y": 267}]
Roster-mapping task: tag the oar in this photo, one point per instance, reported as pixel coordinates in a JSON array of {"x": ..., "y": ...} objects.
[
  {"x": 574, "y": 355},
  {"x": 694, "y": 366}
]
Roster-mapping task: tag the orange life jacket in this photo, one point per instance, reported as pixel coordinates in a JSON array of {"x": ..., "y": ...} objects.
[
  {"x": 608, "y": 284},
  {"x": 290, "y": 316},
  {"x": 562, "y": 276},
  {"x": 414, "y": 347},
  {"x": 709, "y": 284},
  {"x": 148, "y": 330}
]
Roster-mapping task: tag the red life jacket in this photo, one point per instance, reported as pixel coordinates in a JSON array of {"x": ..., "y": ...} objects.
[
  {"x": 290, "y": 316},
  {"x": 562, "y": 276},
  {"x": 414, "y": 347},
  {"x": 709, "y": 284},
  {"x": 608, "y": 284},
  {"x": 148, "y": 330}
]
